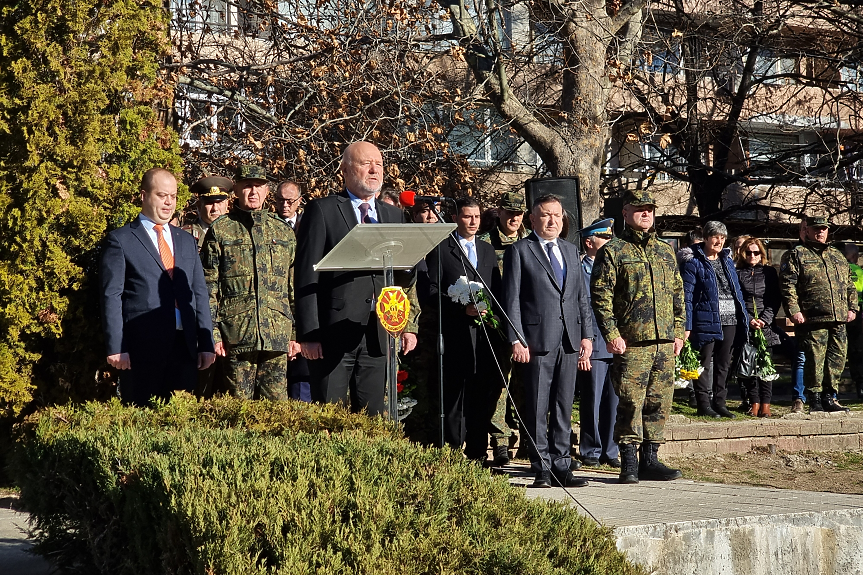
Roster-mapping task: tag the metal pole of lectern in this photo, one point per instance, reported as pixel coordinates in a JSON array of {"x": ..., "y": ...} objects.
[{"x": 392, "y": 357}]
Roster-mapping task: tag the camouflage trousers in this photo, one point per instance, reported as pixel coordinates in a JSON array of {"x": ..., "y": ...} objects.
[
  {"x": 499, "y": 429},
  {"x": 825, "y": 347},
  {"x": 643, "y": 378},
  {"x": 258, "y": 375}
]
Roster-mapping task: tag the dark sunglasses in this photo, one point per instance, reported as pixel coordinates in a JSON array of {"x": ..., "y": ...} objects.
[{"x": 755, "y": 253}]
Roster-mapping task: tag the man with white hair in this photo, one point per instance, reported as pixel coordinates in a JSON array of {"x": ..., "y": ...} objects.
[{"x": 337, "y": 328}]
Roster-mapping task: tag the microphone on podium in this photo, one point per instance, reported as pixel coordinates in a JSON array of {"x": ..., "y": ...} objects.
[{"x": 410, "y": 198}]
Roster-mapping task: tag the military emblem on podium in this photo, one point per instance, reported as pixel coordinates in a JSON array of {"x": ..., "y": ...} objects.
[{"x": 393, "y": 309}]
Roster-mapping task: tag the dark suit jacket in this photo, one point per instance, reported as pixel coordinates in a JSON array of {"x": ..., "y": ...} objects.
[
  {"x": 324, "y": 299},
  {"x": 537, "y": 305},
  {"x": 138, "y": 295},
  {"x": 460, "y": 329}
]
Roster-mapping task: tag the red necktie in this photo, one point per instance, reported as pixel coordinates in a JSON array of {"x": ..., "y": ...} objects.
[{"x": 165, "y": 251}]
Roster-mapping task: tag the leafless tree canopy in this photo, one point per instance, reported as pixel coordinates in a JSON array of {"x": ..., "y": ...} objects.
[{"x": 728, "y": 103}]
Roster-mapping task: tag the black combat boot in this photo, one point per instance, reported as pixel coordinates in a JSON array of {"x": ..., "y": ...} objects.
[
  {"x": 813, "y": 399},
  {"x": 651, "y": 469},
  {"x": 501, "y": 455},
  {"x": 830, "y": 404},
  {"x": 628, "y": 463}
]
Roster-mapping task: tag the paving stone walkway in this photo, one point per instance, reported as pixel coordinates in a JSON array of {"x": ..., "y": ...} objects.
[{"x": 14, "y": 559}]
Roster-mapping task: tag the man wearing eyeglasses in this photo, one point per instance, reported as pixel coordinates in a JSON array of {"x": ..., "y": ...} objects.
[{"x": 288, "y": 201}]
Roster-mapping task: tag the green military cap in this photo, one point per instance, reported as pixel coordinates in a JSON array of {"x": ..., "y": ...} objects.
[
  {"x": 246, "y": 172},
  {"x": 599, "y": 227},
  {"x": 212, "y": 189},
  {"x": 512, "y": 201},
  {"x": 639, "y": 198},
  {"x": 817, "y": 222}
]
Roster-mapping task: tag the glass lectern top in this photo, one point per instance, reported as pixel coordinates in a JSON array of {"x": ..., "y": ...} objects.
[{"x": 365, "y": 245}]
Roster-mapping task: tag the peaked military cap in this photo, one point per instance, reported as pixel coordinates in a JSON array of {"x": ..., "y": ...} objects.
[
  {"x": 639, "y": 198},
  {"x": 246, "y": 172},
  {"x": 212, "y": 189},
  {"x": 817, "y": 222},
  {"x": 512, "y": 201},
  {"x": 599, "y": 227}
]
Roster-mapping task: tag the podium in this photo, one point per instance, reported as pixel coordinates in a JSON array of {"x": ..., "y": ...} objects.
[{"x": 386, "y": 248}]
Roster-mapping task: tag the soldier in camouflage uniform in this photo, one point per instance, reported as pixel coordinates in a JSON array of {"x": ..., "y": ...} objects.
[
  {"x": 247, "y": 256},
  {"x": 637, "y": 298},
  {"x": 820, "y": 298},
  {"x": 509, "y": 229},
  {"x": 212, "y": 192}
]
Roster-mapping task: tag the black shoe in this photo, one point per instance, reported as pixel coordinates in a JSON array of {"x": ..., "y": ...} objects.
[
  {"x": 574, "y": 464},
  {"x": 590, "y": 461},
  {"x": 813, "y": 398},
  {"x": 628, "y": 463},
  {"x": 569, "y": 480},
  {"x": 723, "y": 411},
  {"x": 745, "y": 406},
  {"x": 543, "y": 479},
  {"x": 831, "y": 405},
  {"x": 707, "y": 411},
  {"x": 501, "y": 455},
  {"x": 610, "y": 462},
  {"x": 693, "y": 402},
  {"x": 651, "y": 469}
]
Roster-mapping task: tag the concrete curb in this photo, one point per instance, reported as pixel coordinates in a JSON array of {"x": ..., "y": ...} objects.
[{"x": 829, "y": 542}]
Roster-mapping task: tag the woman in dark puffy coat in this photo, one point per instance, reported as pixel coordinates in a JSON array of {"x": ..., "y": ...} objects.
[
  {"x": 759, "y": 284},
  {"x": 716, "y": 317}
]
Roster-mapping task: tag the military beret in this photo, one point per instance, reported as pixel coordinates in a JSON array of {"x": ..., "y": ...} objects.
[
  {"x": 246, "y": 172},
  {"x": 639, "y": 198},
  {"x": 512, "y": 201},
  {"x": 817, "y": 222},
  {"x": 212, "y": 189},
  {"x": 599, "y": 227}
]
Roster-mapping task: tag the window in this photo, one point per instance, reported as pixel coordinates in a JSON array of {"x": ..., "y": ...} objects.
[
  {"x": 769, "y": 63},
  {"x": 852, "y": 79},
  {"x": 203, "y": 117},
  {"x": 657, "y": 160},
  {"x": 487, "y": 141},
  {"x": 660, "y": 53}
]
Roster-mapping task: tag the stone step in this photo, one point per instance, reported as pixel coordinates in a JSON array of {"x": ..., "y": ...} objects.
[
  {"x": 793, "y": 432},
  {"x": 693, "y": 528}
]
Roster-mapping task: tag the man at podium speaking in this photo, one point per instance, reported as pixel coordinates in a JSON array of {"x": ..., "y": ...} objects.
[{"x": 338, "y": 329}]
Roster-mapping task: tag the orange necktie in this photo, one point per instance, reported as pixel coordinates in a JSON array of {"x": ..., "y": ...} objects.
[{"x": 165, "y": 251}]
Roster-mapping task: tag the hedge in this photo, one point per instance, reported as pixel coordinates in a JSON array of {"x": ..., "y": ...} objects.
[{"x": 232, "y": 486}]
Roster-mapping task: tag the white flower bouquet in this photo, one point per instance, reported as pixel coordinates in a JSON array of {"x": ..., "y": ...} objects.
[{"x": 466, "y": 292}]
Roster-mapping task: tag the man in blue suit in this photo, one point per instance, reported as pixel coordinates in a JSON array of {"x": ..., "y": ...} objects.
[
  {"x": 155, "y": 307},
  {"x": 598, "y": 402},
  {"x": 546, "y": 299}
]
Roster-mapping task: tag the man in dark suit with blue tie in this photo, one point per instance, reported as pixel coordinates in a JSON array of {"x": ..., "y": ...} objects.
[
  {"x": 546, "y": 299},
  {"x": 155, "y": 307},
  {"x": 337, "y": 327}
]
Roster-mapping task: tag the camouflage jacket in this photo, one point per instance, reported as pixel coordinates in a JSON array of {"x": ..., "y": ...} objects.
[
  {"x": 636, "y": 290},
  {"x": 248, "y": 260},
  {"x": 500, "y": 242},
  {"x": 815, "y": 279},
  {"x": 198, "y": 231}
]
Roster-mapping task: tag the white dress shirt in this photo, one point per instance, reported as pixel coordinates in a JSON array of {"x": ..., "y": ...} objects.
[
  {"x": 463, "y": 243},
  {"x": 555, "y": 250},
  {"x": 166, "y": 233},
  {"x": 355, "y": 202}
]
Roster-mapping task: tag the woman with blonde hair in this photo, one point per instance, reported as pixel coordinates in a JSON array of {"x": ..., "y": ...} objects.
[{"x": 759, "y": 283}]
